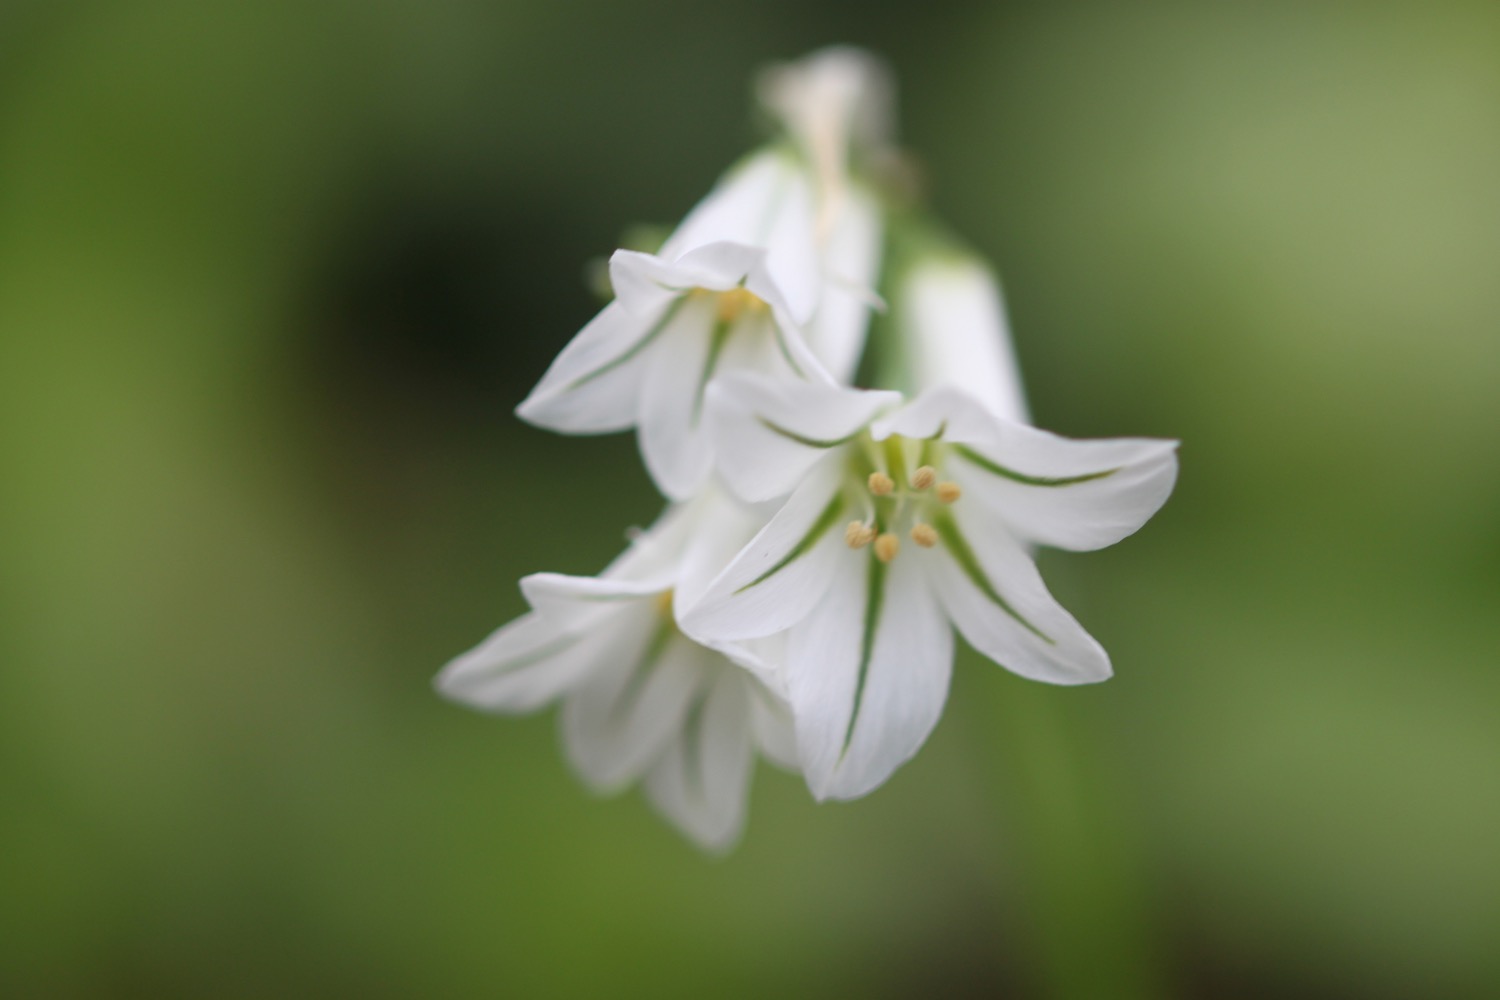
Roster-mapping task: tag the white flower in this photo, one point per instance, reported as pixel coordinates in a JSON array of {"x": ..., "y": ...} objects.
[
  {"x": 896, "y": 527},
  {"x": 640, "y": 699},
  {"x": 646, "y": 360},
  {"x": 772, "y": 272}
]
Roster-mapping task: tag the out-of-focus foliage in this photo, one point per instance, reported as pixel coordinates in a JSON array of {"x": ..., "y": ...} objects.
[{"x": 273, "y": 274}]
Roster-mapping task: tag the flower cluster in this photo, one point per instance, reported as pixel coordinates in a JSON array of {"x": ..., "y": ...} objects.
[{"x": 798, "y": 597}]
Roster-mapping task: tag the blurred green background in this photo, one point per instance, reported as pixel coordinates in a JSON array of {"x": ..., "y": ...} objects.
[{"x": 273, "y": 275}]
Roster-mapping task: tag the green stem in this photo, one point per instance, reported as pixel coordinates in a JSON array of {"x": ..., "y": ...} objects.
[{"x": 1086, "y": 906}]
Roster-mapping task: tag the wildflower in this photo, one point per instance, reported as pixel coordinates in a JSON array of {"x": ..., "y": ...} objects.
[
  {"x": 866, "y": 615},
  {"x": 641, "y": 701},
  {"x": 646, "y": 360}
]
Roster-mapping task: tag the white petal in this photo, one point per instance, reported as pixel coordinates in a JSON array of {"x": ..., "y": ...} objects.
[
  {"x": 656, "y": 552},
  {"x": 721, "y": 265},
  {"x": 673, "y": 439},
  {"x": 1050, "y": 490},
  {"x": 946, "y": 412},
  {"x": 792, "y": 248},
  {"x": 644, "y": 283},
  {"x": 863, "y": 711},
  {"x": 721, "y": 527},
  {"x": 737, "y": 209},
  {"x": 951, "y": 319},
  {"x": 701, "y": 782},
  {"x": 785, "y": 334},
  {"x": 592, "y": 386},
  {"x": 851, "y": 262},
  {"x": 619, "y": 722},
  {"x": 784, "y": 570},
  {"x": 1082, "y": 514},
  {"x": 775, "y": 731},
  {"x": 769, "y": 432},
  {"x": 579, "y": 600},
  {"x": 527, "y": 663},
  {"x": 1007, "y": 613}
]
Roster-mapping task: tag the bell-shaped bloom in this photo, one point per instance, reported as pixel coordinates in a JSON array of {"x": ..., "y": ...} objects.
[
  {"x": 640, "y": 700},
  {"x": 901, "y": 521},
  {"x": 772, "y": 272},
  {"x": 647, "y": 359}
]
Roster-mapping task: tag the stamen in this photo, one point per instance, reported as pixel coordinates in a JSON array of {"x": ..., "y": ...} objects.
[
  {"x": 886, "y": 547},
  {"x": 924, "y": 535},
  {"x": 858, "y": 534},
  {"x": 924, "y": 477},
  {"x": 948, "y": 491},
  {"x": 880, "y": 484},
  {"x": 664, "y": 603}
]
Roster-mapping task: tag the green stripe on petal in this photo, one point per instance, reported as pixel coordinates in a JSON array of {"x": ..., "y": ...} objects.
[
  {"x": 824, "y": 443},
  {"x": 786, "y": 349},
  {"x": 874, "y": 604},
  {"x": 969, "y": 454},
  {"x": 929, "y": 452},
  {"x": 958, "y": 547},
  {"x": 716, "y": 341},
  {"x": 826, "y": 520},
  {"x": 634, "y": 349},
  {"x": 692, "y": 743}
]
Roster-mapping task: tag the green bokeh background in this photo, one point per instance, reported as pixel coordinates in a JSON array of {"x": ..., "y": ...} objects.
[{"x": 273, "y": 275}]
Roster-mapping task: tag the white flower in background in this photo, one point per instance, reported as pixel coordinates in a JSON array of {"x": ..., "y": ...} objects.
[
  {"x": 837, "y": 105},
  {"x": 646, "y": 360},
  {"x": 902, "y": 520},
  {"x": 641, "y": 701},
  {"x": 953, "y": 333},
  {"x": 772, "y": 272}
]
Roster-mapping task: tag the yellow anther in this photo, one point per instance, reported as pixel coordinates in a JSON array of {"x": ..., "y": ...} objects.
[
  {"x": 924, "y": 535},
  {"x": 924, "y": 477},
  {"x": 881, "y": 484},
  {"x": 858, "y": 534},
  {"x": 736, "y": 301},
  {"x": 948, "y": 491},
  {"x": 664, "y": 603},
  {"x": 886, "y": 547}
]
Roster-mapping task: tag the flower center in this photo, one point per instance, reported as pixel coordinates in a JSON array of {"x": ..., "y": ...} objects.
[
  {"x": 736, "y": 301},
  {"x": 898, "y": 500}
]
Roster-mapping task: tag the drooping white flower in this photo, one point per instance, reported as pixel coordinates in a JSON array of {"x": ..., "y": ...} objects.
[
  {"x": 772, "y": 272},
  {"x": 646, "y": 360},
  {"x": 902, "y": 521},
  {"x": 641, "y": 701}
]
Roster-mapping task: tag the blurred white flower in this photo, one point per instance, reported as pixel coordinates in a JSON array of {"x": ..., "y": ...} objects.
[
  {"x": 646, "y": 360},
  {"x": 900, "y": 521},
  {"x": 641, "y": 701},
  {"x": 953, "y": 333}
]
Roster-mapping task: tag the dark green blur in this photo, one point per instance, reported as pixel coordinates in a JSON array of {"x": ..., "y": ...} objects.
[{"x": 273, "y": 275}]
